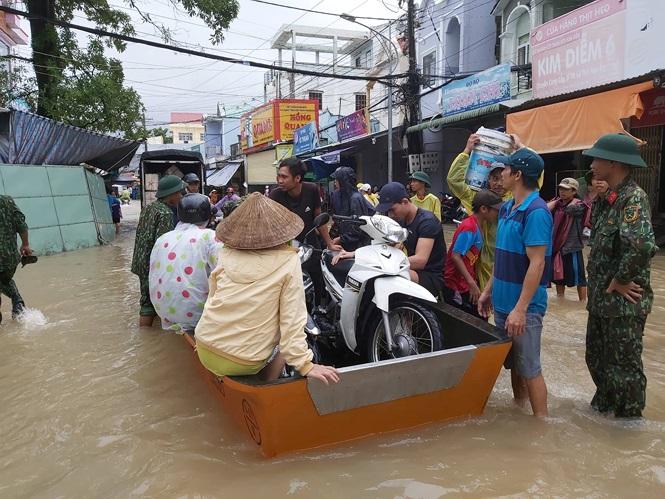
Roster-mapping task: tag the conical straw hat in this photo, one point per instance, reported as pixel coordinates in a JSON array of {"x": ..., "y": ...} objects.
[{"x": 259, "y": 223}]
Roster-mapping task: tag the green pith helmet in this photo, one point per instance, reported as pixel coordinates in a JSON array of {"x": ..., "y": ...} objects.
[
  {"x": 421, "y": 177},
  {"x": 168, "y": 185},
  {"x": 617, "y": 147}
]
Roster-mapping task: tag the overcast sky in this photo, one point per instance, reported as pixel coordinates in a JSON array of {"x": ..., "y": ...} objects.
[{"x": 169, "y": 81}]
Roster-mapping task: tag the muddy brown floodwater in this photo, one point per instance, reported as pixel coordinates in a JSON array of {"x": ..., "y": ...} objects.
[{"x": 93, "y": 407}]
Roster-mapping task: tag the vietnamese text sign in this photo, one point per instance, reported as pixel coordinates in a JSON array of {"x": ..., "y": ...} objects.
[
  {"x": 352, "y": 125},
  {"x": 482, "y": 89},
  {"x": 295, "y": 113},
  {"x": 305, "y": 138},
  {"x": 583, "y": 49},
  {"x": 257, "y": 128}
]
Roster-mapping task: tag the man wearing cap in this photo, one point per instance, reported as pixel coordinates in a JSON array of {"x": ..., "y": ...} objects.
[
  {"x": 419, "y": 182},
  {"x": 257, "y": 301},
  {"x": 461, "y": 282},
  {"x": 425, "y": 246},
  {"x": 620, "y": 294},
  {"x": 12, "y": 222},
  {"x": 518, "y": 288},
  {"x": 155, "y": 220},
  {"x": 193, "y": 182},
  {"x": 569, "y": 214}
]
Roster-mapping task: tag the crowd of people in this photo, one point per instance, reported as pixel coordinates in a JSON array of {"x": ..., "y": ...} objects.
[{"x": 239, "y": 288}]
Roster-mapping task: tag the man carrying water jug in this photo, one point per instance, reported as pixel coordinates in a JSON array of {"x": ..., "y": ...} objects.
[{"x": 460, "y": 189}]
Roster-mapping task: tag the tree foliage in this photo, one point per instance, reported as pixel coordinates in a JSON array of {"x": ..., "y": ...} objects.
[{"x": 78, "y": 84}]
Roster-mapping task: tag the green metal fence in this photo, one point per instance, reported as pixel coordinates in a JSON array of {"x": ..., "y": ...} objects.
[{"x": 65, "y": 206}]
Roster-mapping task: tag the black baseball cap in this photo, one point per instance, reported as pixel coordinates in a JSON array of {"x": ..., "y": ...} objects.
[{"x": 390, "y": 194}]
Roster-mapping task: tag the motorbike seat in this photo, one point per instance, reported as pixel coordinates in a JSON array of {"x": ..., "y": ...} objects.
[{"x": 339, "y": 271}]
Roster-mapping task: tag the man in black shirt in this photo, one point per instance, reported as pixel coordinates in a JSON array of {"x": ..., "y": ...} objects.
[
  {"x": 301, "y": 198},
  {"x": 425, "y": 245}
]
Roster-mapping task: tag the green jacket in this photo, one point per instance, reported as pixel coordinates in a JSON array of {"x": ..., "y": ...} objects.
[
  {"x": 12, "y": 222},
  {"x": 156, "y": 219},
  {"x": 622, "y": 245}
]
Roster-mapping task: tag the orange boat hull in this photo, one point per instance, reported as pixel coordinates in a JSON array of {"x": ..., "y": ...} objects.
[{"x": 283, "y": 417}]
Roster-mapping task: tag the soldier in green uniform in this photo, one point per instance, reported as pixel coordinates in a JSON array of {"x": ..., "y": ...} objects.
[
  {"x": 620, "y": 294},
  {"x": 12, "y": 222},
  {"x": 155, "y": 220}
]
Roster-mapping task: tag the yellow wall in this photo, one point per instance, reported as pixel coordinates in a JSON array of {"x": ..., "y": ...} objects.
[{"x": 195, "y": 130}]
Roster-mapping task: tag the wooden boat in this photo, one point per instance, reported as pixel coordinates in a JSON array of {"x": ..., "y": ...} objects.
[{"x": 297, "y": 413}]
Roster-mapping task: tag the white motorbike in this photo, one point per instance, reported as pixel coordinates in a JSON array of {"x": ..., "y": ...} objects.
[{"x": 374, "y": 309}]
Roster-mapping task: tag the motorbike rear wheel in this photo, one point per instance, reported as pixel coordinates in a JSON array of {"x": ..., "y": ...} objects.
[{"x": 415, "y": 330}]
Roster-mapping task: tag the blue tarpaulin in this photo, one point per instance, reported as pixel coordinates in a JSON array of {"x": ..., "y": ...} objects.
[
  {"x": 29, "y": 139},
  {"x": 322, "y": 166}
]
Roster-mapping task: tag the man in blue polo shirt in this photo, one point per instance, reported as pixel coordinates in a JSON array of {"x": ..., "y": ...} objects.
[{"x": 518, "y": 289}]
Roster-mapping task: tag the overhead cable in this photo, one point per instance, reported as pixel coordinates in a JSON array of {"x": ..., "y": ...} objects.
[
  {"x": 230, "y": 60},
  {"x": 312, "y": 11}
]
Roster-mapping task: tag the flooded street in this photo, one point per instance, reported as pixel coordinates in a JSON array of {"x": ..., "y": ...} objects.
[{"x": 93, "y": 407}]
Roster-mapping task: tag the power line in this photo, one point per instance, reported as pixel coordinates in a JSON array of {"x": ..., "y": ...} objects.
[
  {"x": 317, "y": 11},
  {"x": 205, "y": 55}
]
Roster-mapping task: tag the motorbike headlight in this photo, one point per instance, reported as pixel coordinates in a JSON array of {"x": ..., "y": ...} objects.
[{"x": 391, "y": 231}]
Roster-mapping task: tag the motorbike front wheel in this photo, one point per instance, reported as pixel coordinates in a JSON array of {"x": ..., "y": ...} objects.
[{"x": 415, "y": 329}]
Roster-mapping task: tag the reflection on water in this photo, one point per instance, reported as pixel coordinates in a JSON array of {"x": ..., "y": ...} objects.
[{"x": 91, "y": 406}]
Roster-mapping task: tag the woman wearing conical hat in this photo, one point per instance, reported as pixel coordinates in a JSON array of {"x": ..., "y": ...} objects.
[{"x": 253, "y": 321}]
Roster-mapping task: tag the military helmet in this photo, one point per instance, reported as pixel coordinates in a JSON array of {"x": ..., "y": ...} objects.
[{"x": 617, "y": 147}]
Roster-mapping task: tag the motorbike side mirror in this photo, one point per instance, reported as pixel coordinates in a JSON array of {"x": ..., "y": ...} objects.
[{"x": 321, "y": 219}]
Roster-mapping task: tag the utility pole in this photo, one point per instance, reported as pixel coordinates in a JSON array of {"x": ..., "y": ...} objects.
[
  {"x": 390, "y": 108},
  {"x": 145, "y": 133},
  {"x": 413, "y": 83}
]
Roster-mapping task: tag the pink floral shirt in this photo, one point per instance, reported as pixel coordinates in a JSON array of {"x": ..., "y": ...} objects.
[{"x": 180, "y": 264}]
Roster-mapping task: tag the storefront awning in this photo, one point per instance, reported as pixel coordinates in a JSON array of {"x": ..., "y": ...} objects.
[
  {"x": 221, "y": 176},
  {"x": 576, "y": 124}
]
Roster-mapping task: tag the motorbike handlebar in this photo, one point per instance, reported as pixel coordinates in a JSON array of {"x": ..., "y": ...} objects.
[{"x": 352, "y": 219}]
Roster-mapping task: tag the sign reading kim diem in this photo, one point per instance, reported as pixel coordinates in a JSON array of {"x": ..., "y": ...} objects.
[
  {"x": 352, "y": 125},
  {"x": 482, "y": 89}
]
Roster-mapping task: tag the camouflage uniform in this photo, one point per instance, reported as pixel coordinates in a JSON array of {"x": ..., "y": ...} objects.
[
  {"x": 156, "y": 219},
  {"x": 622, "y": 245},
  {"x": 12, "y": 222}
]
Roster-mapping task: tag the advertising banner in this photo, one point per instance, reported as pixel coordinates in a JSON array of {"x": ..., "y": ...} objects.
[
  {"x": 276, "y": 122},
  {"x": 257, "y": 128},
  {"x": 353, "y": 125},
  {"x": 293, "y": 114},
  {"x": 583, "y": 49},
  {"x": 482, "y": 89},
  {"x": 305, "y": 138}
]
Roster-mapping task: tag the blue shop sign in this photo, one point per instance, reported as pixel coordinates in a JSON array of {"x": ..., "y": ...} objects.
[
  {"x": 305, "y": 138},
  {"x": 482, "y": 89}
]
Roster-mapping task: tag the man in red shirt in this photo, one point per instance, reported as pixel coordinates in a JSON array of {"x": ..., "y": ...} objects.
[{"x": 461, "y": 283}]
